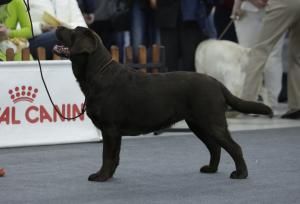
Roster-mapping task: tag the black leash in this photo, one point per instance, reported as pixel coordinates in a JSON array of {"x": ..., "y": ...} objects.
[
  {"x": 42, "y": 76},
  {"x": 225, "y": 29}
]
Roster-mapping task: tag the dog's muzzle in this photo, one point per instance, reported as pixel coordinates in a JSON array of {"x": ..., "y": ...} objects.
[{"x": 61, "y": 51}]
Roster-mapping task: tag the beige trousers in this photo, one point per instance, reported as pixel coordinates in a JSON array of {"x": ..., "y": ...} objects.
[
  {"x": 247, "y": 30},
  {"x": 281, "y": 16}
]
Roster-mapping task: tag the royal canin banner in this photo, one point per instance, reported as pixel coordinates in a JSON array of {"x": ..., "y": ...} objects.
[{"x": 27, "y": 116}]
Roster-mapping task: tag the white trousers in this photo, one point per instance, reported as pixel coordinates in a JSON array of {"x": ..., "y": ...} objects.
[
  {"x": 247, "y": 29},
  {"x": 281, "y": 16}
]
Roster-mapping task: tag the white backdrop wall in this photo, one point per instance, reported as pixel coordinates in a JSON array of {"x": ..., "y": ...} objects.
[{"x": 26, "y": 115}]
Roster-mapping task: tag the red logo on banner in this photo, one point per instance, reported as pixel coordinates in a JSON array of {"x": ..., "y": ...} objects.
[
  {"x": 23, "y": 93},
  {"x": 35, "y": 113}
]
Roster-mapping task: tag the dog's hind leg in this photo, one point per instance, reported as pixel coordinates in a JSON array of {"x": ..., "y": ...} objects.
[
  {"x": 110, "y": 156},
  {"x": 222, "y": 136},
  {"x": 213, "y": 147},
  {"x": 116, "y": 156}
]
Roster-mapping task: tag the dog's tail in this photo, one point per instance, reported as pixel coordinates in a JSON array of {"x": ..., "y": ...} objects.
[{"x": 245, "y": 106}]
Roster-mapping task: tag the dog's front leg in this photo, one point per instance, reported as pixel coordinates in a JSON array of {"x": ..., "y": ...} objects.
[{"x": 110, "y": 156}]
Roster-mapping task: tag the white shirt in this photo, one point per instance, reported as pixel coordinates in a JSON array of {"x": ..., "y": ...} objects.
[{"x": 67, "y": 11}]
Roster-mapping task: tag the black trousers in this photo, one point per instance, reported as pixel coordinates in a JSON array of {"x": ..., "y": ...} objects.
[
  {"x": 180, "y": 45},
  {"x": 221, "y": 20}
]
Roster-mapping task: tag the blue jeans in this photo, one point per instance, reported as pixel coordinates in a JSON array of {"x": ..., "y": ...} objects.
[
  {"x": 143, "y": 29},
  {"x": 46, "y": 40},
  {"x": 119, "y": 40}
]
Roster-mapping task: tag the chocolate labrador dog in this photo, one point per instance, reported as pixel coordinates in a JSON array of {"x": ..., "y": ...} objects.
[{"x": 122, "y": 101}]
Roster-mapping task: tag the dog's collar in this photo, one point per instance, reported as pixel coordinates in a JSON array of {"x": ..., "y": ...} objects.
[{"x": 103, "y": 68}]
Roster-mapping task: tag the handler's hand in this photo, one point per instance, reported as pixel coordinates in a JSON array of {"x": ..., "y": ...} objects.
[
  {"x": 4, "y": 32},
  {"x": 153, "y": 4},
  {"x": 89, "y": 18},
  {"x": 237, "y": 12}
]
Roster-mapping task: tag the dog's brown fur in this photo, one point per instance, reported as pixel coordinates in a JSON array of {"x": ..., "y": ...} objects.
[{"x": 121, "y": 101}]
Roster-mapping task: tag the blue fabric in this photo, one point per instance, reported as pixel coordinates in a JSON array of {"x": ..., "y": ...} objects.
[
  {"x": 46, "y": 40},
  {"x": 194, "y": 10},
  {"x": 118, "y": 38},
  {"x": 143, "y": 29},
  {"x": 197, "y": 10},
  {"x": 89, "y": 6},
  {"x": 2, "y": 2}
]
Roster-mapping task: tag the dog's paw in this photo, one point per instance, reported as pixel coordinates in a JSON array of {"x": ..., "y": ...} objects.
[
  {"x": 99, "y": 177},
  {"x": 208, "y": 169},
  {"x": 239, "y": 175}
]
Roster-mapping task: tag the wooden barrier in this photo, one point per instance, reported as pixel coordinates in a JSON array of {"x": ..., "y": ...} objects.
[
  {"x": 155, "y": 66},
  {"x": 114, "y": 50},
  {"x": 25, "y": 54},
  {"x": 10, "y": 54},
  {"x": 41, "y": 52},
  {"x": 128, "y": 55},
  {"x": 143, "y": 58},
  {"x": 157, "y": 58}
]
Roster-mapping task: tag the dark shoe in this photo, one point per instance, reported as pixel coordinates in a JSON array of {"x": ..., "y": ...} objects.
[{"x": 292, "y": 114}]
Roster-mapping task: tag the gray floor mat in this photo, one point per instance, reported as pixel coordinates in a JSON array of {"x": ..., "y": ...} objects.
[{"x": 155, "y": 170}]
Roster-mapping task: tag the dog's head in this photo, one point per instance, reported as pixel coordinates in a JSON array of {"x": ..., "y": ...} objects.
[{"x": 76, "y": 41}]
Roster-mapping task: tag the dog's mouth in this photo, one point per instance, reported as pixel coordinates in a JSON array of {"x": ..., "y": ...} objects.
[{"x": 62, "y": 51}]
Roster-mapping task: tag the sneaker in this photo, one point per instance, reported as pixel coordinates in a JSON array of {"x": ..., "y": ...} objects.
[{"x": 292, "y": 114}]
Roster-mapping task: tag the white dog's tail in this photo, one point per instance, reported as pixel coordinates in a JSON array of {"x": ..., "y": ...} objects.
[{"x": 245, "y": 106}]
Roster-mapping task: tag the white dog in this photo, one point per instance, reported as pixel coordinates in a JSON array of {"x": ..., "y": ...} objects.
[{"x": 223, "y": 60}]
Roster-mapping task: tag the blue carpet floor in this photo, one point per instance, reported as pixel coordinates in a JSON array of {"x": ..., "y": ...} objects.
[{"x": 155, "y": 170}]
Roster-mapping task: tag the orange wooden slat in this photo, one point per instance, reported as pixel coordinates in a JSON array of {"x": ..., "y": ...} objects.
[
  {"x": 115, "y": 53},
  {"x": 143, "y": 58},
  {"x": 25, "y": 54},
  {"x": 41, "y": 53},
  {"x": 128, "y": 55},
  {"x": 10, "y": 54},
  {"x": 155, "y": 57},
  {"x": 56, "y": 57}
]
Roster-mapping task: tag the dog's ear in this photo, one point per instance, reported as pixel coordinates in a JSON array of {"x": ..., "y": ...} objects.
[{"x": 84, "y": 41}]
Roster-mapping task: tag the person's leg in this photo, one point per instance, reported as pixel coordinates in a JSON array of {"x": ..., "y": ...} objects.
[
  {"x": 248, "y": 27},
  {"x": 273, "y": 73},
  {"x": 152, "y": 29},
  {"x": 104, "y": 30},
  {"x": 46, "y": 40},
  {"x": 277, "y": 20},
  {"x": 222, "y": 19},
  {"x": 118, "y": 39},
  {"x": 282, "y": 98},
  {"x": 250, "y": 21},
  {"x": 211, "y": 28},
  {"x": 294, "y": 68},
  {"x": 151, "y": 34},
  {"x": 137, "y": 32},
  {"x": 190, "y": 37},
  {"x": 169, "y": 39}
]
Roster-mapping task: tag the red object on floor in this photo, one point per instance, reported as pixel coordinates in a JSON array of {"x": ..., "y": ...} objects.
[{"x": 2, "y": 172}]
